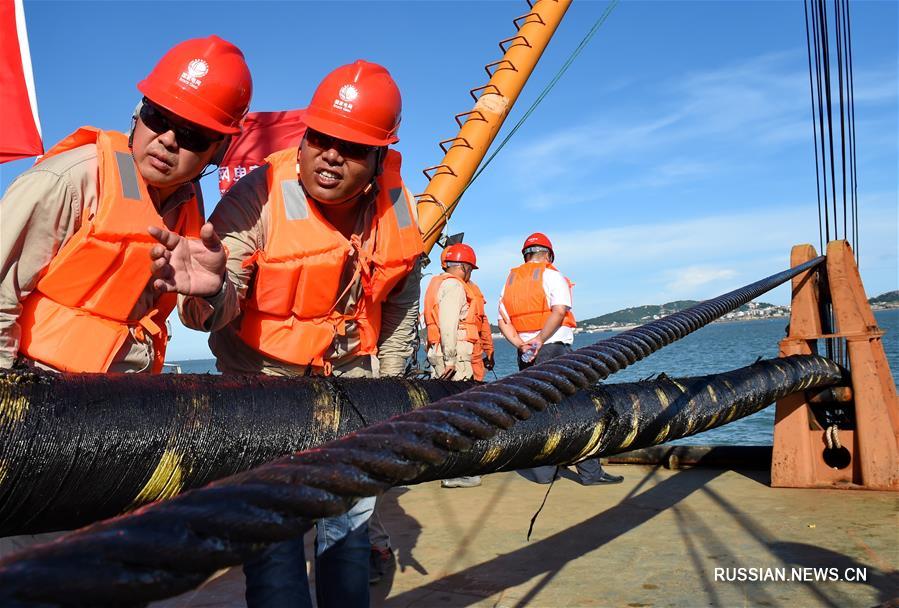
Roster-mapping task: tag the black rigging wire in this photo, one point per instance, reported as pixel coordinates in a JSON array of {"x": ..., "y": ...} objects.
[
  {"x": 819, "y": 106},
  {"x": 825, "y": 64},
  {"x": 811, "y": 90},
  {"x": 838, "y": 19},
  {"x": 828, "y": 168},
  {"x": 833, "y": 66},
  {"x": 852, "y": 141}
]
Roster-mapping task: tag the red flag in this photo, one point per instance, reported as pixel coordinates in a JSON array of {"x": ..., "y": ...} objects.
[
  {"x": 20, "y": 129},
  {"x": 263, "y": 133}
]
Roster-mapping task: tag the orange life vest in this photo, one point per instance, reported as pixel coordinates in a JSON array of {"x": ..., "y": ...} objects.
[
  {"x": 485, "y": 343},
  {"x": 78, "y": 316},
  {"x": 290, "y": 313},
  {"x": 525, "y": 301},
  {"x": 468, "y": 327}
]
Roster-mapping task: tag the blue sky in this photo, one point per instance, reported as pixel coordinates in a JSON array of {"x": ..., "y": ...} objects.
[{"x": 673, "y": 160}]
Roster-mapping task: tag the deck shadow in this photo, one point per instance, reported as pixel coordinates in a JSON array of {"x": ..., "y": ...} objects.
[{"x": 548, "y": 556}]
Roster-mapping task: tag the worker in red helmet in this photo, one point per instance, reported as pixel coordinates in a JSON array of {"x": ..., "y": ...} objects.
[
  {"x": 76, "y": 292},
  {"x": 482, "y": 359},
  {"x": 453, "y": 313},
  {"x": 314, "y": 270},
  {"x": 450, "y": 317},
  {"x": 535, "y": 316}
]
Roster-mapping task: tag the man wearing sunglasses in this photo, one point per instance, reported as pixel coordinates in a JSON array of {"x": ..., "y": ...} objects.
[
  {"x": 317, "y": 272},
  {"x": 75, "y": 285}
]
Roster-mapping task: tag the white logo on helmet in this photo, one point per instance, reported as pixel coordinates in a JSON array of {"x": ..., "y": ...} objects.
[
  {"x": 347, "y": 94},
  {"x": 196, "y": 69}
]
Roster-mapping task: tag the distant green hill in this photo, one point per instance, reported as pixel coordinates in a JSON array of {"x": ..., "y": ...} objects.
[
  {"x": 890, "y": 297},
  {"x": 647, "y": 312}
]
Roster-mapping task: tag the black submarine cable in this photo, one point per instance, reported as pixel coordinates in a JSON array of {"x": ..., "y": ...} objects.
[
  {"x": 201, "y": 530},
  {"x": 169, "y": 547}
]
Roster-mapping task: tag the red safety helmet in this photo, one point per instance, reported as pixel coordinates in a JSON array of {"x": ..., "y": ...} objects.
[
  {"x": 203, "y": 80},
  {"x": 459, "y": 252},
  {"x": 538, "y": 239},
  {"x": 357, "y": 102}
]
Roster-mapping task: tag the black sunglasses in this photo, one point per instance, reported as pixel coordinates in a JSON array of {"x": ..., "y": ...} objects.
[
  {"x": 347, "y": 149},
  {"x": 189, "y": 138}
]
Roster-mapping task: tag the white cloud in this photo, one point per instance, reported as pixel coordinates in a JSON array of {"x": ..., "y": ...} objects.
[
  {"x": 658, "y": 261},
  {"x": 687, "y": 279},
  {"x": 703, "y": 124}
]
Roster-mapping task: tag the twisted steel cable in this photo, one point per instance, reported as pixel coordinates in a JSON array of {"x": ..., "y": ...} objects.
[{"x": 170, "y": 547}]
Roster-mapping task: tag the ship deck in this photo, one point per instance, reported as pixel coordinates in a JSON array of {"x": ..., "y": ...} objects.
[{"x": 653, "y": 540}]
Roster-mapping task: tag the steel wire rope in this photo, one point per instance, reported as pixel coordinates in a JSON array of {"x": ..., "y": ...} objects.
[
  {"x": 818, "y": 105},
  {"x": 825, "y": 64},
  {"x": 852, "y": 134},
  {"x": 552, "y": 83},
  {"x": 169, "y": 547},
  {"x": 838, "y": 24},
  {"x": 808, "y": 46}
]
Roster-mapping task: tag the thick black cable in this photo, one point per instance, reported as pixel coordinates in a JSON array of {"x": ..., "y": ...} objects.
[
  {"x": 169, "y": 547},
  {"x": 208, "y": 529}
]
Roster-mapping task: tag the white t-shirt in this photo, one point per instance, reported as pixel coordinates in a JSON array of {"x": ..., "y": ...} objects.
[{"x": 558, "y": 293}]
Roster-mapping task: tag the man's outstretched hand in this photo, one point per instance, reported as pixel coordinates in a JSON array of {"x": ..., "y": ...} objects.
[{"x": 192, "y": 267}]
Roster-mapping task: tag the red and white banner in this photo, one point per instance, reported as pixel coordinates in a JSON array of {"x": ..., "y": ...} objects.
[
  {"x": 263, "y": 133},
  {"x": 20, "y": 128}
]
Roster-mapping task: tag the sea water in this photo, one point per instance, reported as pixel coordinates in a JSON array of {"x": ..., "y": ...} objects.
[{"x": 716, "y": 348}]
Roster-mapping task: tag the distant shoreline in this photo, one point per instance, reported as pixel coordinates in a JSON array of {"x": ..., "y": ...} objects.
[
  {"x": 607, "y": 328},
  {"x": 741, "y": 319},
  {"x": 603, "y": 328},
  {"x": 616, "y": 328}
]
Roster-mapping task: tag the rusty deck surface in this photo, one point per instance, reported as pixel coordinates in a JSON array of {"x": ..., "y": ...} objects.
[{"x": 654, "y": 540}]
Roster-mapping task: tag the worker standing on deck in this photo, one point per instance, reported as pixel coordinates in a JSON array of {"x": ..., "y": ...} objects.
[
  {"x": 450, "y": 317},
  {"x": 535, "y": 316},
  {"x": 75, "y": 287},
  {"x": 317, "y": 272},
  {"x": 453, "y": 312}
]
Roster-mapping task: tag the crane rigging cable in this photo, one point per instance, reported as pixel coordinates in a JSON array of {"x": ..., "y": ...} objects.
[
  {"x": 549, "y": 86},
  {"x": 831, "y": 88},
  {"x": 834, "y": 145}
]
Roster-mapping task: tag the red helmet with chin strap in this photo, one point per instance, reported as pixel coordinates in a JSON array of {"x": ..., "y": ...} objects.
[
  {"x": 358, "y": 102},
  {"x": 203, "y": 80},
  {"x": 459, "y": 252},
  {"x": 538, "y": 239}
]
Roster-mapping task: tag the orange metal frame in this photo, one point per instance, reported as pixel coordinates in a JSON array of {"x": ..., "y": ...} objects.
[
  {"x": 800, "y": 445},
  {"x": 478, "y": 127}
]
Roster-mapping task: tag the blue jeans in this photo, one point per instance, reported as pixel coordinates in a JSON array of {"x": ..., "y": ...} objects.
[{"x": 277, "y": 577}]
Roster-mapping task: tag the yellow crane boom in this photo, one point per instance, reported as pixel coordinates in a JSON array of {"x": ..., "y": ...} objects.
[{"x": 478, "y": 127}]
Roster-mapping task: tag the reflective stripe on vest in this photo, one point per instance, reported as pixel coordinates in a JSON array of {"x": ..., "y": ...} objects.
[
  {"x": 290, "y": 313},
  {"x": 467, "y": 326},
  {"x": 78, "y": 317},
  {"x": 525, "y": 300}
]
